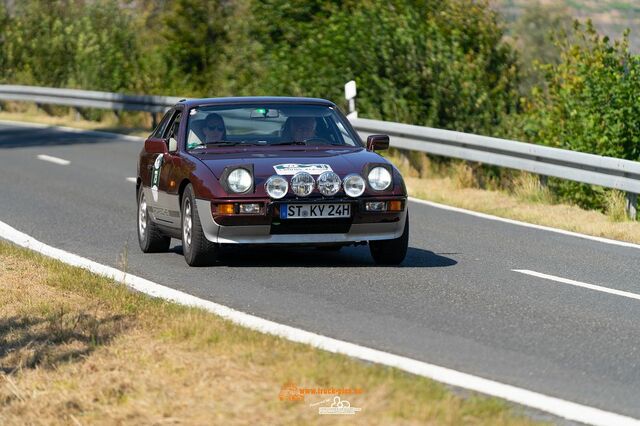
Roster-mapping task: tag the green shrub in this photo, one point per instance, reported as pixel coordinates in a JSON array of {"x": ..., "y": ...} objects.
[
  {"x": 589, "y": 105},
  {"x": 65, "y": 43}
]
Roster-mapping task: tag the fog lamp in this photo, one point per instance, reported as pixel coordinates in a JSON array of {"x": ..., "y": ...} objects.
[
  {"x": 375, "y": 206},
  {"x": 249, "y": 208}
]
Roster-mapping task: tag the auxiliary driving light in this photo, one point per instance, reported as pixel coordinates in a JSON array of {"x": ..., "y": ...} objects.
[
  {"x": 329, "y": 183},
  {"x": 302, "y": 184},
  {"x": 276, "y": 186},
  {"x": 353, "y": 185}
]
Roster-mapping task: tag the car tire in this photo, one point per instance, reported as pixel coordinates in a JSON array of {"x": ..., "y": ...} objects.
[
  {"x": 151, "y": 239},
  {"x": 391, "y": 252},
  {"x": 198, "y": 251}
]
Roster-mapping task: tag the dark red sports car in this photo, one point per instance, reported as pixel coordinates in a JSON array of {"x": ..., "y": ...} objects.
[{"x": 267, "y": 170}]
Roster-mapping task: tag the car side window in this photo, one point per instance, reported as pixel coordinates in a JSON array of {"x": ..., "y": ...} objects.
[
  {"x": 345, "y": 134},
  {"x": 160, "y": 129},
  {"x": 172, "y": 132}
]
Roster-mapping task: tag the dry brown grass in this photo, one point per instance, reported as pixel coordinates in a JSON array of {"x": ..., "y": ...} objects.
[
  {"x": 130, "y": 123},
  {"x": 79, "y": 349},
  {"x": 498, "y": 203}
]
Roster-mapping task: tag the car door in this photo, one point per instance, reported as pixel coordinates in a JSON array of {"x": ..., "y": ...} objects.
[{"x": 164, "y": 203}]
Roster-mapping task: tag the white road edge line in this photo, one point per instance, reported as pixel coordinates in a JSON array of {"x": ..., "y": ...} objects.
[
  {"x": 528, "y": 225},
  {"x": 556, "y": 406},
  {"x": 55, "y": 160},
  {"x": 415, "y": 200},
  {"x": 132, "y": 179},
  {"x": 579, "y": 284}
]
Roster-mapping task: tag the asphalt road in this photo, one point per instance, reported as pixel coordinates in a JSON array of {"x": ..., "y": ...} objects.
[{"x": 455, "y": 301}]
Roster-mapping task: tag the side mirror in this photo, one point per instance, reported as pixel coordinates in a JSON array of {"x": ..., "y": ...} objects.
[
  {"x": 155, "y": 146},
  {"x": 377, "y": 142}
]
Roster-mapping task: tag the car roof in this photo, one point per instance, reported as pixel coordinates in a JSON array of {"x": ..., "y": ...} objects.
[{"x": 190, "y": 103}]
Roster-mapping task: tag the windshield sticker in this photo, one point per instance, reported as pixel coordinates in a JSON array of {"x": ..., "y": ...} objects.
[{"x": 292, "y": 169}]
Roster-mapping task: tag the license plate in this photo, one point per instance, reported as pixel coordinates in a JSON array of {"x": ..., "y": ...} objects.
[{"x": 314, "y": 211}]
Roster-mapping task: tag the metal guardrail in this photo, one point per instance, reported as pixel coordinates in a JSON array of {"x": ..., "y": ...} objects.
[
  {"x": 86, "y": 98},
  {"x": 545, "y": 161},
  {"x": 542, "y": 160}
]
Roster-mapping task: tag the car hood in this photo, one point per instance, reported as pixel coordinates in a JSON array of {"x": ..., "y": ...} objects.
[{"x": 341, "y": 160}]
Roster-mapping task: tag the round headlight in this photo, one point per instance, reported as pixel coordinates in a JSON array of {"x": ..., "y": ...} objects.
[
  {"x": 379, "y": 178},
  {"x": 353, "y": 185},
  {"x": 329, "y": 183},
  {"x": 276, "y": 187},
  {"x": 302, "y": 184},
  {"x": 239, "y": 180}
]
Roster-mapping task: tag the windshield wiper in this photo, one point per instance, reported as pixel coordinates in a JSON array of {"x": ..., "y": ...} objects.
[
  {"x": 231, "y": 143},
  {"x": 290, "y": 143}
]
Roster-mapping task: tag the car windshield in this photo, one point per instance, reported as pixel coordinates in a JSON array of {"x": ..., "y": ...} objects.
[{"x": 267, "y": 124}]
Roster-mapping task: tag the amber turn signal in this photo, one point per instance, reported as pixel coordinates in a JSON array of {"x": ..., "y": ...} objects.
[
  {"x": 395, "y": 206},
  {"x": 225, "y": 208}
]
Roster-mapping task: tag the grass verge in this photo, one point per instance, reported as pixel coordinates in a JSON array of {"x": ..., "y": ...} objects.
[
  {"x": 524, "y": 198},
  {"x": 129, "y": 123},
  {"x": 76, "y": 348}
]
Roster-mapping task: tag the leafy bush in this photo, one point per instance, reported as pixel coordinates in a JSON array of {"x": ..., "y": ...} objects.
[
  {"x": 65, "y": 43},
  {"x": 589, "y": 105}
]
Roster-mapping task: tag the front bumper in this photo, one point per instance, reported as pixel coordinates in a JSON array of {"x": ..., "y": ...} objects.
[{"x": 367, "y": 227}]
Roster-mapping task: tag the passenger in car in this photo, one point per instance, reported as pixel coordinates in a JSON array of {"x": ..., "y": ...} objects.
[{"x": 214, "y": 129}]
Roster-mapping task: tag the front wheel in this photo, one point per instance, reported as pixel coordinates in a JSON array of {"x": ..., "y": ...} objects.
[
  {"x": 391, "y": 252},
  {"x": 198, "y": 251}
]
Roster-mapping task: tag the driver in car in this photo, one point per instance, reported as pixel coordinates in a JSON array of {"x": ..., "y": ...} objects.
[{"x": 302, "y": 128}]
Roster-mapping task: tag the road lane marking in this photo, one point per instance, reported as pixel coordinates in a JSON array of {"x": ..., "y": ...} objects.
[
  {"x": 525, "y": 224},
  {"x": 559, "y": 407},
  {"x": 55, "y": 160},
  {"x": 579, "y": 284},
  {"x": 132, "y": 179}
]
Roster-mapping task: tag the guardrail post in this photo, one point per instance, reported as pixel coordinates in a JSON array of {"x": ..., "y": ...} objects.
[
  {"x": 544, "y": 181},
  {"x": 350, "y": 95},
  {"x": 632, "y": 205},
  {"x": 154, "y": 120}
]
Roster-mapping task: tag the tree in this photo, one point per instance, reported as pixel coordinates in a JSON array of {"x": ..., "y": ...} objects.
[
  {"x": 439, "y": 63},
  {"x": 196, "y": 35}
]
